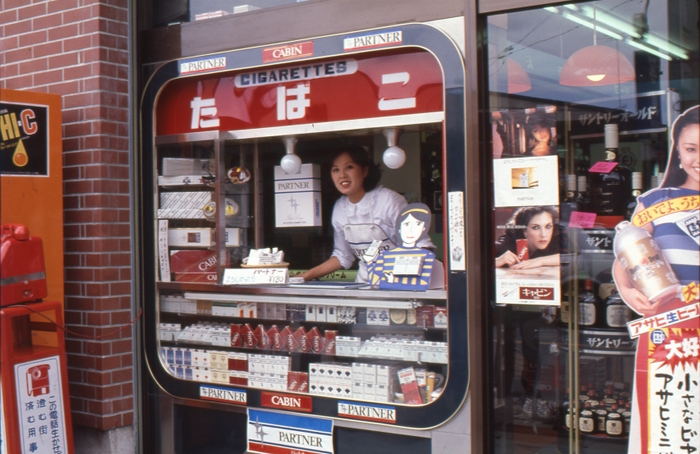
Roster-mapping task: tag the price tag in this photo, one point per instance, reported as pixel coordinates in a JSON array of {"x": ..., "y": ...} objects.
[
  {"x": 582, "y": 220},
  {"x": 407, "y": 265},
  {"x": 603, "y": 167},
  {"x": 255, "y": 276}
]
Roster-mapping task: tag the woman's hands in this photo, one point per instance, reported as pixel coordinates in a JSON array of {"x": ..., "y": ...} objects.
[
  {"x": 508, "y": 258},
  {"x": 511, "y": 260}
]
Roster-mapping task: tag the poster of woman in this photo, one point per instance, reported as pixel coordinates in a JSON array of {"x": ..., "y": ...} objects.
[
  {"x": 527, "y": 255},
  {"x": 657, "y": 273}
]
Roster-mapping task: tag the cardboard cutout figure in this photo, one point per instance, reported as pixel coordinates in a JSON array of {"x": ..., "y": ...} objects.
[
  {"x": 657, "y": 273},
  {"x": 406, "y": 267}
]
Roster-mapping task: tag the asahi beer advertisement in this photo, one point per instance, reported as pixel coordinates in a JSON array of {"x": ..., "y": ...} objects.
[
  {"x": 24, "y": 147},
  {"x": 657, "y": 273},
  {"x": 526, "y": 199}
]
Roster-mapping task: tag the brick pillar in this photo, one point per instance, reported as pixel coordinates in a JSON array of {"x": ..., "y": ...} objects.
[{"x": 78, "y": 49}]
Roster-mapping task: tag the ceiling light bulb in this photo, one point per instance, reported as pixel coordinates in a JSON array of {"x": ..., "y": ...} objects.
[
  {"x": 394, "y": 157},
  {"x": 596, "y": 77},
  {"x": 291, "y": 163}
]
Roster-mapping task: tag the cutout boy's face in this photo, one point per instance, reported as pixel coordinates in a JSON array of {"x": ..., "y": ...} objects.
[{"x": 411, "y": 230}]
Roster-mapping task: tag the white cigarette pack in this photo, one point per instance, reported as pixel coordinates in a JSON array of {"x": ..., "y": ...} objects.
[
  {"x": 201, "y": 237},
  {"x": 187, "y": 166},
  {"x": 298, "y": 197}
]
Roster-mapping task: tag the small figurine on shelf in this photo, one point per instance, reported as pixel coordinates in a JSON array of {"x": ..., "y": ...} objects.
[{"x": 407, "y": 267}]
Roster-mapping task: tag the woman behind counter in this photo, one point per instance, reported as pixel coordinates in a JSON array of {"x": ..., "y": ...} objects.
[
  {"x": 365, "y": 213},
  {"x": 535, "y": 225}
]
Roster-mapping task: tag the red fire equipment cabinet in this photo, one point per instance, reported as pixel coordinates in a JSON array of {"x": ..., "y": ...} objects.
[{"x": 214, "y": 129}]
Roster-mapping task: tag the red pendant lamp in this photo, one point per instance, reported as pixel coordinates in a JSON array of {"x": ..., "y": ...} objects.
[
  {"x": 518, "y": 79},
  {"x": 594, "y": 66}
]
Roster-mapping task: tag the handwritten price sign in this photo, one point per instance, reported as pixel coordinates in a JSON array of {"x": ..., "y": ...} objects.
[
  {"x": 255, "y": 276},
  {"x": 582, "y": 220}
]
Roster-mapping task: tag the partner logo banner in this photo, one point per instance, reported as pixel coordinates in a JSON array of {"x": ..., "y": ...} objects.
[{"x": 284, "y": 433}]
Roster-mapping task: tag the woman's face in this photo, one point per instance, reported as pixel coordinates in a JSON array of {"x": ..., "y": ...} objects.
[
  {"x": 349, "y": 177},
  {"x": 541, "y": 134},
  {"x": 411, "y": 230},
  {"x": 688, "y": 142},
  {"x": 539, "y": 231}
]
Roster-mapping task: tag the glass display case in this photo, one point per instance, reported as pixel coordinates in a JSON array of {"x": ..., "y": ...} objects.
[{"x": 228, "y": 321}]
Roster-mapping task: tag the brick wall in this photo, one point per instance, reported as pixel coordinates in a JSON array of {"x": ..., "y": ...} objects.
[{"x": 78, "y": 49}]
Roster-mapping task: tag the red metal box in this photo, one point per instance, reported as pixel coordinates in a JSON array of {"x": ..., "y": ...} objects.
[{"x": 22, "y": 269}]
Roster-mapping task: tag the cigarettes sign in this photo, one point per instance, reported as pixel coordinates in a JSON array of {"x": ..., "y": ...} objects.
[{"x": 313, "y": 92}]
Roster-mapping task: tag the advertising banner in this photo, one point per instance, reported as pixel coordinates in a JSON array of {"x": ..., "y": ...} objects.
[
  {"x": 288, "y": 433},
  {"x": 526, "y": 213},
  {"x": 657, "y": 272},
  {"x": 302, "y": 93}
]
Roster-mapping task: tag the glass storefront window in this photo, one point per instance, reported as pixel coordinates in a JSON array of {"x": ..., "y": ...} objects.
[
  {"x": 583, "y": 99},
  {"x": 167, "y": 11}
]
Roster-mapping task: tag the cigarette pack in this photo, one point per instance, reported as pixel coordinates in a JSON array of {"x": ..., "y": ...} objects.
[
  {"x": 196, "y": 265},
  {"x": 184, "y": 200},
  {"x": 315, "y": 339},
  {"x": 248, "y": 336},
  {"x": 263, "y": 338},
  {"x": 188, "y": 166},
  {"x": 425, "y": 316},
  {"x": 302, "y": 341},
  {"x": 298, "y": 197},
  {"x": 275, "y": 338},
  {"x": 409, "y": 386},
  {"x": 329, "y": 342},
  {"x": 440, "y": 319},
  {"x": 289, "y": 344},
  {"x": 201, "y": 237}
]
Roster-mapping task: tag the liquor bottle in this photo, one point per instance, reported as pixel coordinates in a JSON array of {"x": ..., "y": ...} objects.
[
  {"x": 582, "y": 196},
  {"x": 627, "y": 419},
  {"x": 609, "y": 190},
  {"x": 613, "y": 423},
  {"x": 617, "y": 313},
  {"x": 631, "y": 203},
  {"x": 586, "y": 422},
  {"x": 587, "y": 305},
  {"x": 601, "y": 416},
  {"x": 568, "y": 206}
]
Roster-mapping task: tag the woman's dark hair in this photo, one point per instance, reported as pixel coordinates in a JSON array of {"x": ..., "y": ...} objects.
[
  {"x": 361, "y": 157},
  {"x": 522, "y": 216},
  {"x": 675, "y": 176}
]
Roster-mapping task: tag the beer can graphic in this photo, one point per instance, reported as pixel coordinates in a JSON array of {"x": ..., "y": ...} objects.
[
  {"x": 521, "y": 249},
  {"x": 644, "y": 262}
]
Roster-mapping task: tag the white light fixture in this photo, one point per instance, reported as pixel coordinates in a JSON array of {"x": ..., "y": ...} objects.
[
  {"x": 394, "y": 157},
  {"x": 290, "y": 163},
  {"x": 648, "y": 49}
]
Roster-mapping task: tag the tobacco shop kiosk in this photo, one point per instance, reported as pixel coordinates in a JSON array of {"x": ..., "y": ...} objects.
[{"x": 237, "y": 201}]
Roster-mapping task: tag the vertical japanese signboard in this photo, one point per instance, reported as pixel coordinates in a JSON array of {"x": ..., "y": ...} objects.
[{"x": 40, "y": 406}]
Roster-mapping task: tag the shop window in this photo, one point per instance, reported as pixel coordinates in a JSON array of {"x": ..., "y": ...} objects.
[{"x": 582, "y": 100}]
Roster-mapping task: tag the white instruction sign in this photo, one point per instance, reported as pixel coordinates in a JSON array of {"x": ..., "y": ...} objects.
[{"x": 40, "y": 409}]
